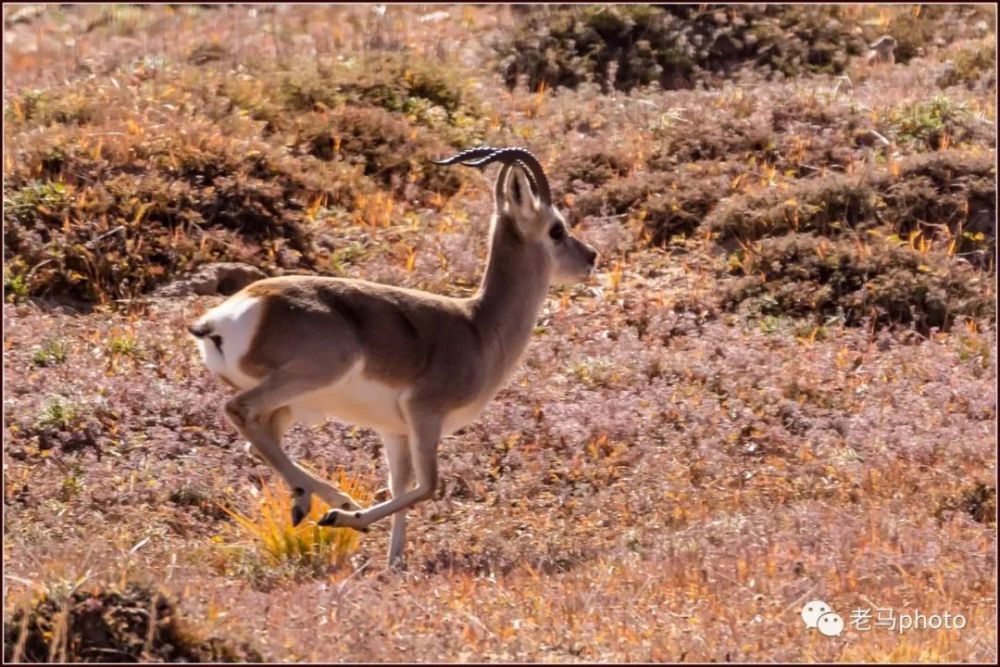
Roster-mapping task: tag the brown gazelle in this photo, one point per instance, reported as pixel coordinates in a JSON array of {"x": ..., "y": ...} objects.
[{"x": 412, "y": 365}]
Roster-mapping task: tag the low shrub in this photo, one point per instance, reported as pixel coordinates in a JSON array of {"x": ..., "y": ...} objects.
[
  {"x": 592, "y": 168},
  {"x": 725, "y": 138},
  {"x": 858, "y": 280},
  {"x": 431, "y": 94},
  {"x": 49, "y": 107},
  {"x": 131, "y": 624},
  {"x": 98, "y": 226},
  {"x": 674, "y": 46},
  {"x": 669, "y": 204},
  {"x": 946, "y": 188},
  {"x": 972, "y": 66},
  {"x": 144, "y": 229},
  {"x": 933, "y": 124},
  {"x": 385, "y": 147},
  {"x": 952, "y": 189},
  {"x": 978, "y": 501},
  {"x": 680, "y": 46},
  {"x": 827, "y": 205}
]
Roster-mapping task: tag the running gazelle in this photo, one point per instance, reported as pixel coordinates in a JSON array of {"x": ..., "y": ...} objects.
[{"x": 412, "y": 365}]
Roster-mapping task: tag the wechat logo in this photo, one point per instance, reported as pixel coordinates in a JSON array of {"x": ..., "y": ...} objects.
[{"x": 820, "y": 616}]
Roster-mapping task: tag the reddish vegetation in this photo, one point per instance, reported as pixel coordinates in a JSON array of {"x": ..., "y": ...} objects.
[{"x": 781, "y": 386}]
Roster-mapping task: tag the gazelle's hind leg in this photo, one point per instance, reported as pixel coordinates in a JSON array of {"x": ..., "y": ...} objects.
[
  {"x": 397, "y": 454},
  {"x": 281, "y": 420},
  {"x": 262, "y": 416}
]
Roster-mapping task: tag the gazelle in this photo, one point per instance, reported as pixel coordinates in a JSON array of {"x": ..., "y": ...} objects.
[
  {"x": 883, "y": 50},
  {"x": 412, "y": 365}
]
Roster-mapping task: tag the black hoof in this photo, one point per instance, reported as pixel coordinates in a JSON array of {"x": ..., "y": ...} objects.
[
  {"x": 329, "y": 519},
  {"x": 297, "y": 515}
]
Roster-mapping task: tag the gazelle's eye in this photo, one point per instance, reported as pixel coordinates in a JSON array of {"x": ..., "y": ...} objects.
[{"x": 557, "y": 232}]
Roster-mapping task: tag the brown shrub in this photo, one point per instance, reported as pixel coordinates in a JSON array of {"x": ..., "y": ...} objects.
[
  {"x": 388, "y": 149},
  {"x": 973, "y": 66},
  {"x": 857, "y": 280},
  {"x": 592, "y": 168},
  {"x": 428, "y": 93},
  {"x": 97, "y": 223},
  {"x": 669, "y": 203},
  {"x": 78, "y": 107},
  {"x": 979, "y": 501},
  {"x": 674, "y": 46},
  {"x": 799, "y": 132},
  {"x": 96, "y": 229},
  {"x": 827, "y": 205},
  {"x": 113, "y": 626},
  {"x": 945, "y": 188},
  {"x": 679, "y": 46},
  {"x": 947, "y": 195},
  {"x": 725, "y": 138}
]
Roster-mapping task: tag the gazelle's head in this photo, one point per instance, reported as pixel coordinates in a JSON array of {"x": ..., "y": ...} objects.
[{"x": 524, "y": 206}]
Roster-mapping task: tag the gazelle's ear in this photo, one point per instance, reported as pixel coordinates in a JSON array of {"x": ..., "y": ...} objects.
[
  {"x": 519, "y": 200},
  {"x": 500, "y": 188}
]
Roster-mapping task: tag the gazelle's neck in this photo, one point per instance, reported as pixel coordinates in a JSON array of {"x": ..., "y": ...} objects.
[{"x": 510, "y": 296}]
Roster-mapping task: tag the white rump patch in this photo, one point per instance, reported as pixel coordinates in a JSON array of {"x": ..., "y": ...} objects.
[{"x": 235, "y": 321}]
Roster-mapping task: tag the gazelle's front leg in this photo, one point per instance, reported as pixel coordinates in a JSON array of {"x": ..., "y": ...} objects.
[
  {"x": 397, "y": 455},
  {"x": 423, "y": 441}
]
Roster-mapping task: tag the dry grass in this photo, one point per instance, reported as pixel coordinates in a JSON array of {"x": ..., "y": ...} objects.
[
  {"x": 307, "y": 546},
  {"x": 781, "y": 386}
]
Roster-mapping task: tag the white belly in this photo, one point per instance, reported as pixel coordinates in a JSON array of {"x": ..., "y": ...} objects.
[
  {"x": 355, "y": 399},
  {"x": 463, "y": 416},
  {"x": 360, "y": 400}
]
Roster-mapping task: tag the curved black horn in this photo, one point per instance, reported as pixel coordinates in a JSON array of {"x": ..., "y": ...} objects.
[
  {"x": 467, "y": 155},
  {"x": 525, "y": 159},
  {"x": 480, "y": 157}
]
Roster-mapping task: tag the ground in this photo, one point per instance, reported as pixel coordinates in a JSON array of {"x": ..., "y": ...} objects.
[{"x": 779, "y": 387}]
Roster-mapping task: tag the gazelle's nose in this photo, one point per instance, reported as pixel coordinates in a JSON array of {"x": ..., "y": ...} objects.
[{"x": 592, "y": 256}]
